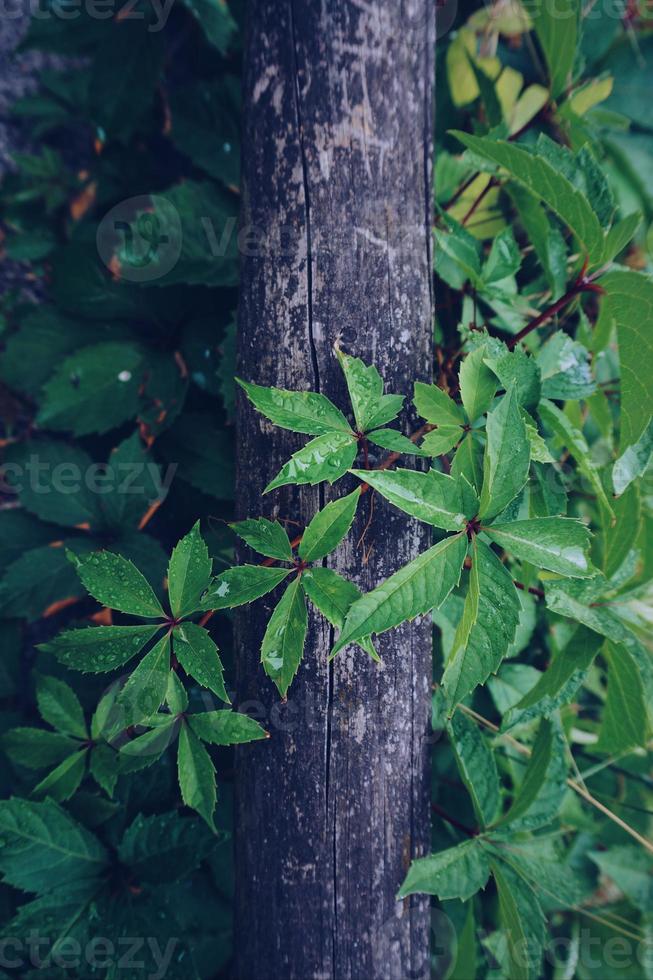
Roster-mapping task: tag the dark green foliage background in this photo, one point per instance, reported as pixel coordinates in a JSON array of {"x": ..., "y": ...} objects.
[{"x": 157, "y": 112}]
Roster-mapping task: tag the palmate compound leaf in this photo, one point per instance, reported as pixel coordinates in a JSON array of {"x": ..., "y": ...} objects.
[
  {"x": 559, "y": 544},
  {"x": 476, "y": 765},
  {"x": 42, "y": 846},
  {"x": 507, "y": 456},
  {"x": 333, "y": 596},
  {"x": 189, "y": 573},
  {"x": 459, "y": 872},
  {"x": 365, "y": 385},
  {"x": 283, "y": 643},
  {"x": 329, "y": 527},
  {"x": 543, "y": 787},
  {"x": 487, "y": 627},
  {"x": 326, "y": 458},
  {"x": 548, "y": 184},
  {"x": 96, "y": 649},
  {"x": 116, "y": 583},
  {"x": 200, "y": 658},
  {"x": 300, "y": 411},
  {"x": 242, "y": 584},
  {"x": 433, "y": 497},
  {"x": 196, "y": 774},
  {"x": 415, "y": 589},
  {"x": 266, "y": 537}
]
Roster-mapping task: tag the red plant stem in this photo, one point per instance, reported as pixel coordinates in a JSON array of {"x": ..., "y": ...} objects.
[
  {"x": 529, "y": 588},
  {"x": 452, "y": 820},
  {"x": 584, "y": 284}
]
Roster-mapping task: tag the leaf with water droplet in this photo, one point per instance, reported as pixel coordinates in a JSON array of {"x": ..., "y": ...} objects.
[
  {"x": 283, "y": 644},
  {"x": 116, "y": 583},
  {"x": 326, "y": 458},
  {"x": 189, "y": 573},
  {"x": 97, "y": 649},
  {"x": 200, "y": 658}
]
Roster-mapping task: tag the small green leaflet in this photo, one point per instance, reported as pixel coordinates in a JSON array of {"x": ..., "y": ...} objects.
[
  {"x": 634, "y": 461},
  {"x": 225, "y": 727},
  {"x": 432, "y": 497},
  {"x": 478, "y": 383},
  {"x": 328, "y": 527},
  {"x": 300, "y": 411},
  {"x": 548, "y": 184},
  {"x": 522, "y": 924},
  {"x": 487, "y": 627},
  {"x": 333, "y": 596},
  {"x": 507, "y": 457},
  {"x": 575, "y": 441},
  {"x": 196, "y": 775},
  {"x": 458, "y": 872},
  {"x": 326, "y": 458},
  {"x": 116, "y": 583},
  {"x": 476, "y": 766},
  {"x": 557, "y": 32},
  {"x": 395, "y": 442},
  {"x": 63, "y": 782},
  {"x": 145, "y": 690},
  {"x": 560, "y": 681},
  {"x": 630, "y": 870},
  {"x": 96, "y": 649},
  {"x": 199, "y": 656},
  {"x": 625, "y": 720},
  {"x": 441, "y": 440},
  {"x": 189, "y": 573},
  {"x": 371, "y": 407},
  {"x": 242, "y": 584},
  {"x": 559, "y": 544},
  {"x": 60, "y": 707},
  {"x": 415, "y": 589},
  {"x": 543, "y": 787},
  {"x": 436, "y": 406},
  {"x": 283, "y": 644},
  {"x": 266, "y": 537},
  {"x": 36, "y": 748}
]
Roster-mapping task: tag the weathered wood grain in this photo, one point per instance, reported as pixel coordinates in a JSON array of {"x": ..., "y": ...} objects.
[{"x": 335, "y": 247}]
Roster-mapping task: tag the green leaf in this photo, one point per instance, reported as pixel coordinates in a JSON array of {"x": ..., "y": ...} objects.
[
  {"x": 618, "y": 539},
  {"x": 559, "y": 682},
  {"x": 415, "y": 589},
  {"x": 60, "y": 707},
  {"x": 36, "y": 748},
  {"x": 333, "y": 596},
  {"x": 189, "y": 573},
  {"x": 478, "y": 383},
  {"x": 574, "y": 440},
  {"x": 543, "y": 787},
  {"x": 145, "y": 691},
  {"x": 557, "y": 32},
  {"x": 487, "y": 627},
  {"x": 436, "y": 406},
  {"x": 559, "y": 544},
  {"x": 216, "y": 21},
  {"x": 432, "y": 497},
  {"x": 329, "y": 527},
  {"x": 226, "y": 727},
  {"x": 468, "y": 462},
  {"x": 630, "y": 869},
  {"x": 299, "y": 411},
  {"x": 200, "y": 658},
  {"x": 395, "y": 442},
  {"x": 51, "y": 481},
  {"x": 628, "y": 305},
  {"x": 326, "y": 458},
  {"x": 103, "y": 766},
  {"x": 283, "y": 643},
  {"x": 63, "y": 782},
  {"x": 196, "y": 774},
  {"x": 522, "y": 924},
  {"x": 42, "y": 846},
  {"x": 476, "y": 766},
  {"x": 365, "y": 385},
  {"x": 625, "y": 723},
  {"x": 267, "y": 537},
  {"x": 96, "y": 649},
  {"x": 565, "y": 368},
  {"x": 634, "y": 461},
  {"x": 507, "y": 457},
  {"x": 144, "y": 750},
  {"x": 515, "y": 368},
  {"x": 117, "y": 583},
  {"x": 242, "y": 584},
  {"x": 620, "y": 235},
  {"x": 164, "y": 847},
  {"x": 464, "y": 967},
  {"x": 547, "y": 184},
  {"x": 441, "y": 440},
  {"x": 458, "y": 872},
  {"x": 93, "y": 390}
]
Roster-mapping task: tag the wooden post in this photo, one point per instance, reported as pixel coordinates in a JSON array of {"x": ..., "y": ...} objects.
[{"x": 335, "y": 244}]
